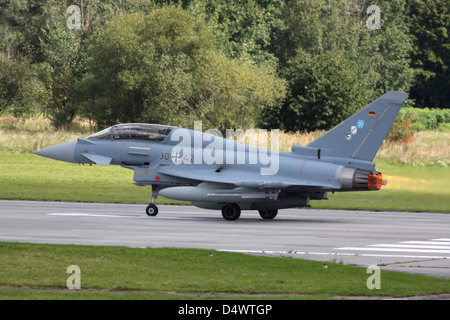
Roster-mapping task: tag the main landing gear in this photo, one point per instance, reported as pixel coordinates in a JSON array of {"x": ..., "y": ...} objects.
[
  {"x": 232, "y": 212},
  {"x": 268, "y": 214}
]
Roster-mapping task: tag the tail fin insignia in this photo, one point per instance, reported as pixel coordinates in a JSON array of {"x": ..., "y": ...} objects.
[{"x": 361, "y": 135}]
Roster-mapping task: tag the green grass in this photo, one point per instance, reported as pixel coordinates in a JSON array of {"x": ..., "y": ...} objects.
[
  {"x": 30, "y": 177},
  {"x": 133, "y": 273}
]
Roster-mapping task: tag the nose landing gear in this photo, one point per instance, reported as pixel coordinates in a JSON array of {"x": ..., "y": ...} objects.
[{"x": 151, "y": 210}]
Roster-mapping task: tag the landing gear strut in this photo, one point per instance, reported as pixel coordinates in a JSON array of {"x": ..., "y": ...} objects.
[
  {"x": 152, "y": 209},
  {"x": 231, "y": 212}
]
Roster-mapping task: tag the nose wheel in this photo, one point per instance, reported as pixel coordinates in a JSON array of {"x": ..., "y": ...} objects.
[{"x": 151, "y": 210}]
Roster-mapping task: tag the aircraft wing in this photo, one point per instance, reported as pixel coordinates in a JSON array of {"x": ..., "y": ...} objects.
[{"x": 246, "y": 179}]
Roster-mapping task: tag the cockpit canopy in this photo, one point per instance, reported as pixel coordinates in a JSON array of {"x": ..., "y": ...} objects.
[
  {"x": 104, "y": 134},
  {"x": 149, "y": 132}
]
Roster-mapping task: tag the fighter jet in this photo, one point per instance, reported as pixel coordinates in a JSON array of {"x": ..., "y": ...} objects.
[{"x": 221, "y": 174}]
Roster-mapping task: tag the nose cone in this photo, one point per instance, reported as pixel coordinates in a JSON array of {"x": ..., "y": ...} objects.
[{"x": 62, "y": 152}]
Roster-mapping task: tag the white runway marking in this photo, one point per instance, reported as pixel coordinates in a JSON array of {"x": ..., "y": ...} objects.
[
  {"x": 441, "y": 246},
  {"x": 395, "y": 250},
  {"x": 76, "y": 214},
  {"x": 426, "y": 242},
  {"x": 334, "y": 254},
  {"x": 142, "y": 216},
  {"x": 416, "y": 246}
]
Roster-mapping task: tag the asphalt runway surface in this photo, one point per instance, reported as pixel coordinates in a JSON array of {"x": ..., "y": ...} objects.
[{"x": 400, "y": 241}]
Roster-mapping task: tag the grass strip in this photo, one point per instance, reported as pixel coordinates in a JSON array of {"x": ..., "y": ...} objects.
[{"x": 164, "y": 273}]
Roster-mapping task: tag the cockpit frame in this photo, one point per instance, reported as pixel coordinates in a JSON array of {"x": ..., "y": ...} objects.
[{"x": 134, "y": 131}]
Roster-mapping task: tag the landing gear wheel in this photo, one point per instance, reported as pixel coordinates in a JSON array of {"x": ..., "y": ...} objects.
[
  {"x": 231, "y": 212},
  {"x": 268, "y": 214},
  {"x": 152, "y": 210}
]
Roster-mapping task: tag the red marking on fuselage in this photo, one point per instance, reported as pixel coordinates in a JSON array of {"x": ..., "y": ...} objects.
[{"x": 301, "y": 172}]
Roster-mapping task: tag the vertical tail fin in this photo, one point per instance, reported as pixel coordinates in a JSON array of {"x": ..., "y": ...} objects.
[{"x": 361, "y": 135}]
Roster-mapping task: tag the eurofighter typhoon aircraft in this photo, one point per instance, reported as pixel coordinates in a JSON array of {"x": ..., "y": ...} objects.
[{"x": 221, "y": 174}]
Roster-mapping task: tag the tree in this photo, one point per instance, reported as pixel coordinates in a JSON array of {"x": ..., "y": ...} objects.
[
  {"x": 164, "y": 68},
  {"x": 334, "y": 63},
  {"x": 14, "y": 75},
  {"x": 325, "y": 90},
  {"x": 140, "y": 65},
  {"x": 429, "y": 22},
  {"x": 388, "y": 50},
  {"x": 244, "y": 30},
  {"x": 60, "y": 47},
  {"x": 234, "y": 94}
]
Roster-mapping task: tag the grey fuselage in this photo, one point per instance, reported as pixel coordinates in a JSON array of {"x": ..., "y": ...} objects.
[
  {"x": 211, "y": 171},
  {"x": 216, "y": 173}
]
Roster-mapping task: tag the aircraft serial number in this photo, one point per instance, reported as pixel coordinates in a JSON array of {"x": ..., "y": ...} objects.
[{"x": 176, "y": 157}]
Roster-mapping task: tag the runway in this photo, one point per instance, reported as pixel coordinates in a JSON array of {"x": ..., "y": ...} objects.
[{"x": 400, "y": 241}]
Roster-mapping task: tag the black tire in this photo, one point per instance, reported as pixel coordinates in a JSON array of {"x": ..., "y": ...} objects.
[
  {"x": 152, "y": 210},
  {"x": 268, "y": 214},
  {"x": 231, "y": 212}
]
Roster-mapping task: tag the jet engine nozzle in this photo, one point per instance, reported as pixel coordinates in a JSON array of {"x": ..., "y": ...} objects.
[
  {"x": 375, "y": 181},
  {"x": 353, "y": 179}
]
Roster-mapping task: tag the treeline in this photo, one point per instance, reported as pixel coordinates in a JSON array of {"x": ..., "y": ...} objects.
[{"x": 289, "y": 64}]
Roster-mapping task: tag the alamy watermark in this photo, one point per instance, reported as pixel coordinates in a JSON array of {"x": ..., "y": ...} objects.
[
  {"x": 196, "y": 147},
  {"x": 374, "y": 20},
  {"x": 74, "y": 281},
  {"x": 374, "y": 281},
  {"x": 74, "y": 20}
]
